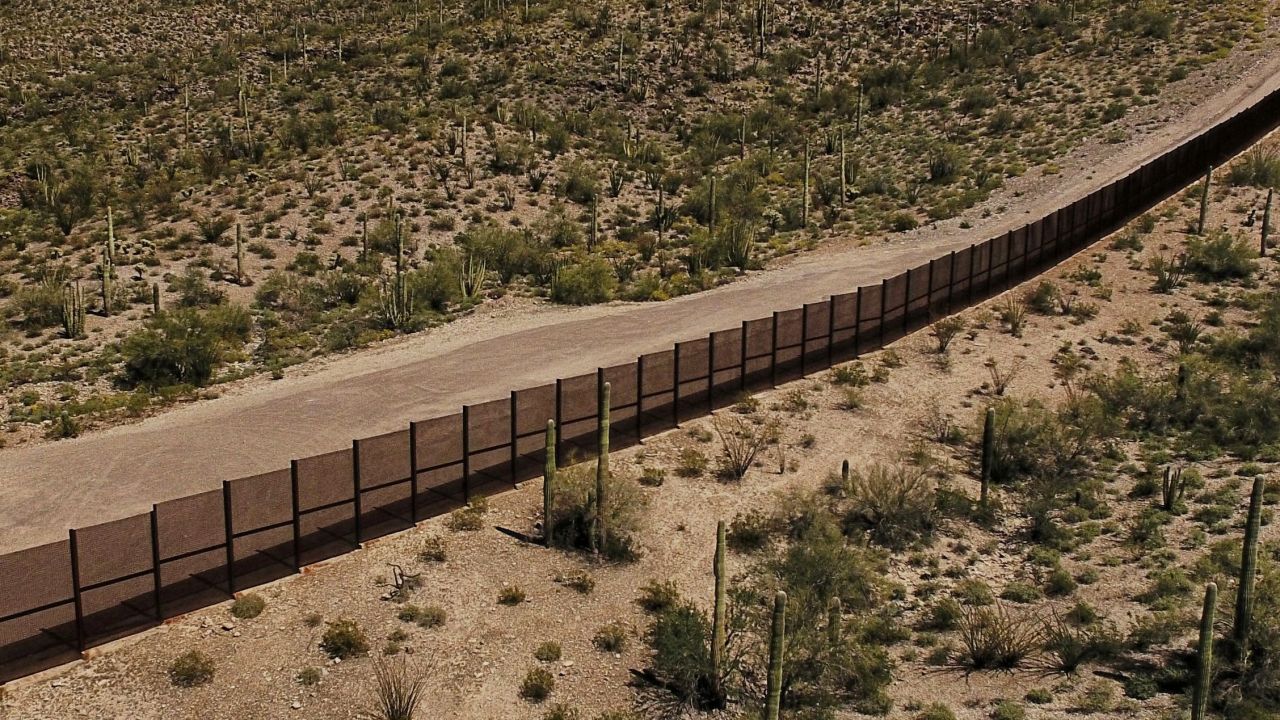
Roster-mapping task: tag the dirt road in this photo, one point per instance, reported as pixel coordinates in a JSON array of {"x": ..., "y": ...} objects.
[{"x": 46, "y": 488}]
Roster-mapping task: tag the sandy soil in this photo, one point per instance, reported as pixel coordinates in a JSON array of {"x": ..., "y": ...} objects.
[
  {"x": 475, "y": 662},
  {"x": 121, "y": 471}
]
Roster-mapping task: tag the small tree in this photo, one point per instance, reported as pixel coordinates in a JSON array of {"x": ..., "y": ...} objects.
[
  {"x": 741, "y": 440},
  {"x": 946, "y": 330}
]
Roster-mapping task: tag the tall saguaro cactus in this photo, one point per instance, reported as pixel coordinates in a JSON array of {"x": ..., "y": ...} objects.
[
  {"x": 718, "y": 616},
  {"x": 988, "y": 454},
  {"x": 1266, "y": 223},
  {"x": 835, "y": 615},
  {"x": 72, "y": 310},
  {"x": 1204, "y": 201},
  {"x": 1204, "y": 673},
  {"x": 239, "y": 257},
  {"x": 549, "y": 484},
  {"x": 601, "y": 533},
  {"x": 777, "y": 646},
  {"x": 1248, "y": 567},
  {"x": 804, "y": 208}
]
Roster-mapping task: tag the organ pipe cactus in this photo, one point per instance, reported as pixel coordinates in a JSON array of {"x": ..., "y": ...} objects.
[
  {"x": 155, "y": 298},
  {"x": 1248, "y": 567},
  {"x": 1171, "y": 488},
  {"x": 72, "y": 310},
  {"x": 240, "y": 278},
  {"x": 835, "y": 612},
  {"x": 804, "y": 208},
  {"x": 549, "y": 483},
  {"x": 1204, "y": 672},
  {"x": 777, "y": 647}
]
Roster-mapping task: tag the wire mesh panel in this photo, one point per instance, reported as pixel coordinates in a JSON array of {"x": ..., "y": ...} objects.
[
  {"x": 788, "y": 343},
  {"x": 657, "y": 380},
  {"x": 1080, "y": 222},
  {"x": 326, "y": 502},
  {"x": 579, "y": 399},
  {"x": 940, "y": 288},
  {"x": 534, "y": 407},
  {"x": 262, "y": 522},
  {"x": 385, "y": 488},
  {"x": 981, "y": 283},
  {"x": 917, "y": 296},
  {"x": 117, "y": 581},
  {"x": 193, "y": 553},
  {"x": 759, "y": 360},
  {"x": 869, "y": 317},
  {"x": 999, "y": 278},
  {"x": 438, "y": 465},
  {"x": 692, "y": 359},
  {"x": 489, "y": 446},
  {"x": 1050, "y": 246},
  {"x": 962, "y": 262},
  {"x": 726, "y": 362},
  {"x": 1034, "y": 246},
  {"x": 894, "y": 302},
  {"x": 37, "y": 612},
  {"x": 623, "y": 427},
  {"x": 1018, "y": 254},
  {"x": 844, "y": 327},
  {"x": 817, "y": 335}
]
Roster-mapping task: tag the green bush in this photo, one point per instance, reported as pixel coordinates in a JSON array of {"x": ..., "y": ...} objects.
[
  {"x": 680, "y": 638},
  {"x": 659, "y": 596},
  {"x": 191, "y": 669},
  {"x": 183, "y": 346},
  {"x": 249, "y": 605},
  {"x": 587, "y": 282},
  {"x": 574, "y": 511},
  {"x": 610, "y": 638},
  {"x": 1008, "y": 710},
  {"x": 1220, "y": 256},
  {"x": 936, "y": 711},
  {"x": 510, "y": 595},
  {"x": 343, "y": 639},
  {"x": 894, "y": 505},
  {"x": 548, "y": 651},
  {"x": 996, "y": 639}
]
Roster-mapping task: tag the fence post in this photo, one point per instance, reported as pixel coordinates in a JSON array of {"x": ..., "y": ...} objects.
[
  {"x": 675, "y": 388},
  {"x": 831, "y": 330},
  {"x": 951, "y": 283},
  {"x": 297, "y": 515},
  {"x": 804, "y": 339},
  {"x": 356, "y": 510},
  {"x": 928, "y": 295},
  {"x": 640, "y": 398},
  {"x": 906, "y": 304},
  {"x": 742, "y": 359},
  {"x": 773, "y": 352},
  {"x": 711, "y": 372},
  {"x": 973, "y": 259},
  {"x": 559, "y": 422},
  {"x": 75, "y": 589},
  {"x": 515, "y": 435},
  {"x": 231, "y": 548},
  {"x": 413, "y": 471},
  {"x": 466, "y": 454},
  {"x": 884, "y": 299},
  {"x": 155, "y": 562},
  {"x": 857, "y": 324}
]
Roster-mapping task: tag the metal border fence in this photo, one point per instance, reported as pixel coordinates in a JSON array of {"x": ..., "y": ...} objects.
[{"x": 120, "y": 577}]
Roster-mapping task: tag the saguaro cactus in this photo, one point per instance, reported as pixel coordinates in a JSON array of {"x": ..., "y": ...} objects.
[
  {"x": 108, "y": 270},
  {"x": 835, "y": 614},
  {"x": 1204, "y": 673},
  {"x": 155, "y": 298},
  {"x": 549, "y": 484},
  {"x": 602, "y": 469},
  {"x": 718, "y": 616},
  {"x": 72, "y": 310},
  {"x": 777, "y": 646},
  {"x": 844, "y": 172},
  {"x": 988, "y": 454},
  {"x": 711, "y": 203},
  {"x": 804, "y": 208},
  {"x": 1248, "y": 567},
  {"x": 1171, "y": 488},
  {"x": 239, "y": 257},
  {"x": 1204, "y": 201}
]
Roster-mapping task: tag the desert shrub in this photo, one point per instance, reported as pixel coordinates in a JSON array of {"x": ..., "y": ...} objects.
[
  {"x": 946, "y": 330},
  {"x": 309, "y": 675},
  {"x": 511, "y": 595},
  {"x": 1008, "y": 710},
  {"x": 1020, "y": 592},
  {"x": 1068, "y": 646},
  {"x": 249, "y": 605},
  {"x": 433, "y": 549},
  {"x": 191, "y": 669},
  {"x": 741, "y": 440},
  {"x": 39, "y": 306},
  {"x": 1039, "y": 696},
  {"x": 658, "y": 596},
  {"x": 936, "y": 711},
  {"x": 580, "y": 581},
  {"x": 561, "y": 711},
  {"x": 537, "y": 685},
  {"x": 610, "y": 638},
  {"x": 587, "y": 282},
  {"x": 681, "y": 641},
  {"x": 1048, "y": 449},
  {"x": 1013, "y": 313},
  {"x": 194, "y": 291},
  {"x": 574, "y": 511},
  {"x": 548, "y": 651},
  {"x": 943, "y": 615},
  {"x": 469, "y": 518},
  {"x": 430, "y": 616},
  {"x": 974, "y": 592},
  {"x": 1220, "y": 256},
  {"x": 894, "y": 505},
  {"x": 343, "y": 638},
  {"x": 1260, "y": 167},
  {"x": 692, "y": 463},
  {"x": 399, "y": 690},
  {"x": 1059, "y": 583},
  {"x": 993, "y": 638},
  {"x": 183, "y": 346},
  {"x": 749, "y": 532}
]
